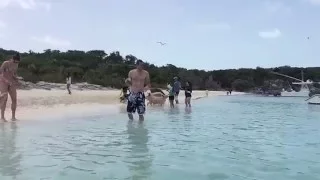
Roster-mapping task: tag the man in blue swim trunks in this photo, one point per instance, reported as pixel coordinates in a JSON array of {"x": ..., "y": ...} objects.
[{"x": 139, "y": 82}]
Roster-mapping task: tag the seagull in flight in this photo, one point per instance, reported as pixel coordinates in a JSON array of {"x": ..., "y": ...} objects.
[{"x": 162, "y": 43}]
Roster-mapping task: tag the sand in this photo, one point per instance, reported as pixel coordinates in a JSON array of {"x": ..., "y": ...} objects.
[{"x": 54, "y": 103}]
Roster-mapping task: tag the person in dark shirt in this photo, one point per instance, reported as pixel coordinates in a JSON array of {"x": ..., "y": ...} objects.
[{"x": 188, "y": 92}]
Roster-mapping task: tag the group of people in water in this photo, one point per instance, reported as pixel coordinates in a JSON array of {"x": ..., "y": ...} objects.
[{"x": 138, "y": 82}]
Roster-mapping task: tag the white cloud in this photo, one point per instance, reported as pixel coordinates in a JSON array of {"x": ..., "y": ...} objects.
[
  {"x": 275, "y": 33},
  {"x": 277, "y": 7},
  {"x": 213, "y": 26},
  {"x": 25, "y": 4},
  {"x": 54, "y": 42}
]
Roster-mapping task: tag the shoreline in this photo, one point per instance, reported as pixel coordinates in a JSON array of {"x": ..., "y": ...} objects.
[{"x": 41, "y": 103}]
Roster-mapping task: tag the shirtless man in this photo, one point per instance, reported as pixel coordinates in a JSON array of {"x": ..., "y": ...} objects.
[
  {"x": 9, "y": 84},
  {"x": 139, "y": 82}
]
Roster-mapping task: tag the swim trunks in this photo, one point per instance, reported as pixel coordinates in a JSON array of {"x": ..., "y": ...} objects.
[
  {"x": 136, "y": 101},
  {"x": 187, "y": 94}
]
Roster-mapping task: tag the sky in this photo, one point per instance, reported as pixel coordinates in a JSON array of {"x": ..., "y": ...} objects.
[{"x": 203, "y": 34}]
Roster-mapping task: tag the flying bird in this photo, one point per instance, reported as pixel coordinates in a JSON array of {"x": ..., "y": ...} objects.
[{"x": 162, "y": 43}]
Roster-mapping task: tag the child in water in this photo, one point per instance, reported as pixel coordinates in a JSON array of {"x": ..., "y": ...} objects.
[{"x": 171, "y": 95}]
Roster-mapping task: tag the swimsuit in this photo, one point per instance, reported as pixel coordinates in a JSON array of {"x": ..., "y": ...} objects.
[
  {"x": 188, "y": 92},
  {"x": 136, "y": 101},
  {"x": 171, "y": 94}
]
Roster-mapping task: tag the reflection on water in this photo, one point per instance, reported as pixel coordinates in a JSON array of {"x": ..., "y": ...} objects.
[
  {"x": 139, "y": 158},
  {"x": 187, "y": 114},
  {"x": 9, "y": 156},
  {"x": 173, "y": 113}
]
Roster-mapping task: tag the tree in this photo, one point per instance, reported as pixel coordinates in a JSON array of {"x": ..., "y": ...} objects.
[{"x": 98, "y": 67}]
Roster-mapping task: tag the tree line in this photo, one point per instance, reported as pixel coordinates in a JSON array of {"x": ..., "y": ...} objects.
[{"x": 98, "y": 67}]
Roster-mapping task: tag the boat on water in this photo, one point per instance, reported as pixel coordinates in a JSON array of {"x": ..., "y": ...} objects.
[
  {"x": 315, "y": 99},
  {"x": 304, "y": 90}
]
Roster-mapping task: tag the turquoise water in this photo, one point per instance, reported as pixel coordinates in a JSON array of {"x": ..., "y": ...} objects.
[{"x": 222, "y": 138}]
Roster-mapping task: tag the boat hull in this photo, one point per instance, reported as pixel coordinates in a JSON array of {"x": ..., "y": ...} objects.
[
  {"x": 295, "y": 94},
  {"x": 314, "y": 100}
]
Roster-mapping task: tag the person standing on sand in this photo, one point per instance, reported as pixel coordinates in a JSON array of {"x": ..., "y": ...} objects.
[
  {"x": 9, "y": 84},
  {"x": 68, "y": 80},
  {"x": 139, "y": 81},
  {"x": 176, "y": 89}
]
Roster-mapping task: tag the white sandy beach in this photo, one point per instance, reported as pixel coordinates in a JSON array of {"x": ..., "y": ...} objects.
[{"x": 51, "y": 103}]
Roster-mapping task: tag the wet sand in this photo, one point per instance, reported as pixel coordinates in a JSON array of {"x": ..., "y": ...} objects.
[{"x": 54, "y": 103}]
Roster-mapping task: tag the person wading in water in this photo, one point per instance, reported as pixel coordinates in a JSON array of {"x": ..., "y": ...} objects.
[{"x": 139, "y": 82}]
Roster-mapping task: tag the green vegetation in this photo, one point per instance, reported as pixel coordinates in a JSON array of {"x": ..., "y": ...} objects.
[{"x": 98, "y": 67}]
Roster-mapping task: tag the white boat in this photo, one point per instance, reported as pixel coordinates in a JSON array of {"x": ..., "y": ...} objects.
[
  {"x": 304, "y": 90},
  {"x": 315, "y": 99}
]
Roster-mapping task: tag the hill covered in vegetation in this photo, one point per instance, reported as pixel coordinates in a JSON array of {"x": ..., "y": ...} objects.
[{"x": 98, "y": 67}]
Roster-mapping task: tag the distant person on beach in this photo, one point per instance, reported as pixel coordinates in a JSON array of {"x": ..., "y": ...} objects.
[
  {"x": 207, "y": 93},
  {"x": 176, "y": 89},
  {"x": 68, "y": 81},
  {"x": 139, "y": 82},
  {"x": 188, "y": 92},
  {"x": 9, "y": 84},
  {"x": 171, "y": 95}
]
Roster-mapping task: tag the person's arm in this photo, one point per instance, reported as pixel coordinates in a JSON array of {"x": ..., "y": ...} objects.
[
  {"x": 3, "y": 68},
  {"x": 147, "y": 82}
]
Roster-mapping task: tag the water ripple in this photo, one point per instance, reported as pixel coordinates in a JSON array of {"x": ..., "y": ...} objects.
[{"x": 224, "y": 138}]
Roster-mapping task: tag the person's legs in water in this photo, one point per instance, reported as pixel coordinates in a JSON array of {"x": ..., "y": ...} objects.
[
  {"x": 185, "y": 101},
  {"x": 171, "y": 101},
  {"x": 189, "y": 101},
  {"x": 4, "y": 88},
  {"x": 13, "y": 95},
  {"x": 68, "y": 87},
  {"x": 176, "y": 96},
  {"x": 141, "y": 105},
  {"x": 131, "y": 108}
]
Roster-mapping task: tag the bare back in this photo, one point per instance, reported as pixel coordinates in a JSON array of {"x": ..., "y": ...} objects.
[{"x": 138, "y": 80}]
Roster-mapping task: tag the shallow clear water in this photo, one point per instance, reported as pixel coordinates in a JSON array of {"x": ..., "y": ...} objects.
[{"x": 235, "y": 137}]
